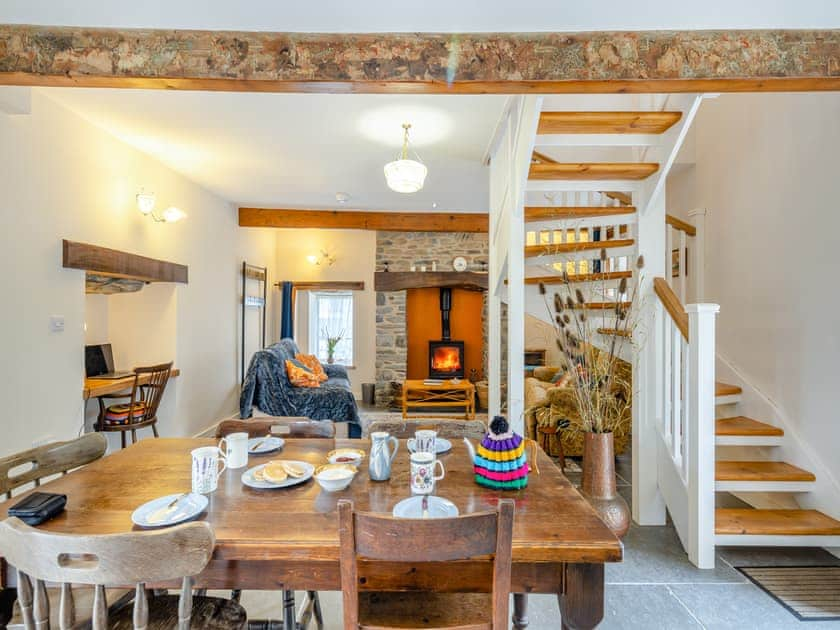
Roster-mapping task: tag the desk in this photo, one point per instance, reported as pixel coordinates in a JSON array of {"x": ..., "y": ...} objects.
[
  {"x": 273, "y": 539},
  {"x": 102, "y": 386}
]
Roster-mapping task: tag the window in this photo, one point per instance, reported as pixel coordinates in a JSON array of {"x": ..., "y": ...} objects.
[{"x": 331, "y": 315}]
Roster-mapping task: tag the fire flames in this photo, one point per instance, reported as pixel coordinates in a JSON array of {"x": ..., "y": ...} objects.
[{"x": 446, "y": 359}]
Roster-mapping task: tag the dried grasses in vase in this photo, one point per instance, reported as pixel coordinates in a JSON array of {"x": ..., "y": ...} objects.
[{"x": 599, "y": 379}]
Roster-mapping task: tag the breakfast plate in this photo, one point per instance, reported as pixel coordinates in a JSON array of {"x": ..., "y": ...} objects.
[
  {"x": 437, "y": 507},
  {"x": 255, "y": 477},
  {"x": 260, "y": 445},
  {"x": 169, "y": 510}
]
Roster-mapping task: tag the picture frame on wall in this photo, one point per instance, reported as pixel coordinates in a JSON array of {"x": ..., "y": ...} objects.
[{"x": 675, "y": 263}]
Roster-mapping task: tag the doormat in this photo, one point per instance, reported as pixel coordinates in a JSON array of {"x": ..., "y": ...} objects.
[{"x": 810, "y": 593}]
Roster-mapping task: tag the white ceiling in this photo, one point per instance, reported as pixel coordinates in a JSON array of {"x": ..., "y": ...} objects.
[
  {"x": 429, "y": 15},
  {"x": 298, "y": 150}
]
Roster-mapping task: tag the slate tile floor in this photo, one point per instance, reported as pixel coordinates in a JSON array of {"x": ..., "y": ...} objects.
[{"x": 655, "y": 588}]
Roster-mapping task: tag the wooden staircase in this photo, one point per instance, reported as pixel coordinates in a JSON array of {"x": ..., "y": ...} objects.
[{"x": 764, "y": 527}]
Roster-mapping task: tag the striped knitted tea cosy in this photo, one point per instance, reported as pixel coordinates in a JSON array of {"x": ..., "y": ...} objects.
[{"x": 501, "y": 462}]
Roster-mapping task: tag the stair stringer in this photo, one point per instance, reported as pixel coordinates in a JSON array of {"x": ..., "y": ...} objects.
[{"x": 825, "y": 495}]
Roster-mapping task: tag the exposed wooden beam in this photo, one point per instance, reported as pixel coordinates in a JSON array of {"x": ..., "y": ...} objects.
[
  {"x": 401, "y": 280},
  {"x": 592, "y": 171},
  {"x": 679, "y": 224},
  {"x": 643, "y": 61},
  {"x": 606, "y": 122},
  {"x": 361, "y": 220},
  {"x": 117, "y": 264}
]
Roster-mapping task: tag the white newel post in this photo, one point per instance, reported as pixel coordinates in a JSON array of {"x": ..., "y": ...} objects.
[
  {"x": 701, "y": 434},
  {"x": 697, "y": 267}
]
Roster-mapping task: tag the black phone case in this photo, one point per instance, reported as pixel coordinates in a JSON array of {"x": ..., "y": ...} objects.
[{"x": 38, "y": 507}]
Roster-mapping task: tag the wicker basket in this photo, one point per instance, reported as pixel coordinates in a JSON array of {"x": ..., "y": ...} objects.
[{"x": 481, "y": 388}]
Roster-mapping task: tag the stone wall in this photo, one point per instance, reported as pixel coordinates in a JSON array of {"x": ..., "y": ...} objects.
[{"x": 400, "y": 250}]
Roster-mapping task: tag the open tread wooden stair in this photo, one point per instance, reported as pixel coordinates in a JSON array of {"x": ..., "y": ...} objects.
[
  {"x": 551, "y": 249},
  {"x": 592, "y": 171},
  {"x": 743, "y": 431},
  {"x": 743, "y": 426},
  {"x": 580, "y": 278},
  {"x": 600, "y": 306},
  {"x": 760, "y": 471},
  {"x": 740, "y": 522},
  {"x": 560, "y": 213},
  {"x": 616, "y": 332},
  {"x": 607, "y": 122}
]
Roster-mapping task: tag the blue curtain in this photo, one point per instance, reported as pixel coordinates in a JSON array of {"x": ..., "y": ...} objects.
[{"x": 287, "y": 315}]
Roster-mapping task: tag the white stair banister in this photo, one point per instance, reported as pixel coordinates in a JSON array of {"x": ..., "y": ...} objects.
[{"x": 700, "y": 428}]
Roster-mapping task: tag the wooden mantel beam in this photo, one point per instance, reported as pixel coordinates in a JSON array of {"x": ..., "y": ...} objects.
[
  {"x": 362, "y": 220},
  {"x": 642, "y": 61}
]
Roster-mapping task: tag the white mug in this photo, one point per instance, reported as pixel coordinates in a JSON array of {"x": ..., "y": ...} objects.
[
  {"x": 235, "y": 449},
  {"x": 205, "y": 469},
  {"x": 423, "y": 441},
  {"x": 423, "y": 477}
]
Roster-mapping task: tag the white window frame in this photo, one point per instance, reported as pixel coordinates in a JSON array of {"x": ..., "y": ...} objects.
[{"x": 315, "y": 327}]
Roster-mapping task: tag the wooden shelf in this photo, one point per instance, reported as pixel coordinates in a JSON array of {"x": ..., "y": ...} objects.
[
  {"x": 402, "y": 280},
  {"x": 117, "y": 264}
]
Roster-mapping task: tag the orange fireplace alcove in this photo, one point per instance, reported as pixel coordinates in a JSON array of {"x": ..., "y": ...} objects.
[{"x": 422, "y": 324}]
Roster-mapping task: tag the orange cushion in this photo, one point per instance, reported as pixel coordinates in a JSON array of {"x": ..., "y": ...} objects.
[
  {"x": 314, "y": 365},
  {"x": 300, "y": 377},
  {"x": 118, "y": 414}
]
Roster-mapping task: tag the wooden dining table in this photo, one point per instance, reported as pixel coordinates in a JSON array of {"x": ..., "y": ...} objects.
[{"x": 288, "y": 538}]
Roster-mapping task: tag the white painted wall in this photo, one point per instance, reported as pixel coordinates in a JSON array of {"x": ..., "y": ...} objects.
[
  {"x": 767, "y": 173},
  {"x": 62, "y": 177},
  {"x": 355, "y": 260}
]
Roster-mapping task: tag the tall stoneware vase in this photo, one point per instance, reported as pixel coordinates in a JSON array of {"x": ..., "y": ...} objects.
[{"x": 598, "y": 485}]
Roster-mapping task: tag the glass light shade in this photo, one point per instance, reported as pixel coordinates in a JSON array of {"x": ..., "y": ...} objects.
[
  {"x": 312, "y": 259},
  {"x": 145, "y": 202},
  {"x": 405, "y": 176},
  {"x": 173, "y": 214}
]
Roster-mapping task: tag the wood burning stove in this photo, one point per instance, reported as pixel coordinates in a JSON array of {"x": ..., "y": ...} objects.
[{"x": 446, "y": 357}]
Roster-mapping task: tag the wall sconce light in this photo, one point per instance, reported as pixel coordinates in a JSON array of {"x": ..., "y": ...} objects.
[
  {"x": 146, "y": 205},
  {"x": 325, "y": 258}
]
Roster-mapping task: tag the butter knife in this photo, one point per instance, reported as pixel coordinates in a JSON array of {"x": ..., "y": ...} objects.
[
  {"x": 425, "y": 506},
  {"x": 158, "y": 515},
  {"x": 259, "y": 444}
]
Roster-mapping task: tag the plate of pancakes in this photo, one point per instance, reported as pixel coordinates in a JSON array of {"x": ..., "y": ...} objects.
[{"x": 278, "y": 473}]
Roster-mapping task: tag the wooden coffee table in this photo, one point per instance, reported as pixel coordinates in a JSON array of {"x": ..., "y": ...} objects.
[{"x": 417, "y": 393}]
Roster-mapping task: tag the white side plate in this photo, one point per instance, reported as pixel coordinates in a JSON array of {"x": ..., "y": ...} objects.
[
  {"x": 268, "y": 445},
  {"x": 412, "y": 507},
  {"x": 155, "y": 513}
]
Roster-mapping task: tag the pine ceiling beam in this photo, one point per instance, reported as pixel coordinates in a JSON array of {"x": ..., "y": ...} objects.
[
  {"x": 477, "y": 63},
  {"x": 362, "y": 220}
]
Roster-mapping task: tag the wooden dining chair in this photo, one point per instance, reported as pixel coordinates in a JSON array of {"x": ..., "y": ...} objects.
[
  {"x": 137, "y": 558},
  {"x": 142, "y": 407},
  {"x": 388, "y": 539},
  {"x": 449, "y": 429},
  {"x": 51, "y": 459},
  {"x": 292, "y": 426},
  {"x": 288, "y": 427}
]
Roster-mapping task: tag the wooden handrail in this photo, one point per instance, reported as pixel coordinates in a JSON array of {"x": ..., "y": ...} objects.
[
  {"x": 672, "y": 304},
  {"x": 681, "y": 225}
]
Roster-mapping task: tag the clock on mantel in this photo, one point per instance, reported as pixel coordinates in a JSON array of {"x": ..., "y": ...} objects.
[{"x": 459, "y": 264}]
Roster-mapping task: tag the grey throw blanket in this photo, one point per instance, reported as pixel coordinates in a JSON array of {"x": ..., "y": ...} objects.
[{"x": 268, "y": 388}]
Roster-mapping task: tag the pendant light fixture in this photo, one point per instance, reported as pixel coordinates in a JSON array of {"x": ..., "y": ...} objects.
[{"x": 404, "y": 175}]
